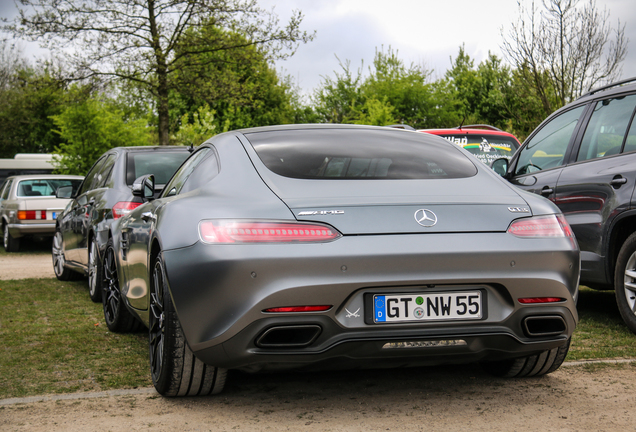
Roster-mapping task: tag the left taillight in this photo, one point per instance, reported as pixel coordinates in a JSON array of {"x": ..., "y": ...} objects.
[
  {"x": 122, "y": 208},
  {"x": 238, "y": 231},
  {"x": 31, "y": 214},
  {"x": 541, "y": 226}
]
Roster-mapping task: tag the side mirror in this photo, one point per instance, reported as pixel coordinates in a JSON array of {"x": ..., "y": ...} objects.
[
  {"x": 500, "y": 166},
  {"x": 144, "y": 187},
  {"x": 64, "y": 192}
]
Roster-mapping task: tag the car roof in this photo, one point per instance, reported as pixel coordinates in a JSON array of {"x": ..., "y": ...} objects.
[
  {"x": 148, "y": 148},
  {"x": 46, "y": 177}
]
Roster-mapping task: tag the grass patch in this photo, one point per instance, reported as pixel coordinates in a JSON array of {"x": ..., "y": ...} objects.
[
  {"x": 601, "y": 332},
  {"x": 53, "y": 339}
]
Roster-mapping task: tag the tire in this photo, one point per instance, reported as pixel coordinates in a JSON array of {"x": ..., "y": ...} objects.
[
  {"x": 59, "y": 260},
  {"x": 118, "y": 317},
  {"x": 95, "y": 273},
  {"x": 530, "y": 366},
  {"x": 174, "y": 368},
  {"x": 11, "y": 244},
  {"x": 625, "y": 282}
]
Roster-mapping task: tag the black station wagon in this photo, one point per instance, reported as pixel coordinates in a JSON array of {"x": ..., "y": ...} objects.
[{"x": 104, "y": 196}]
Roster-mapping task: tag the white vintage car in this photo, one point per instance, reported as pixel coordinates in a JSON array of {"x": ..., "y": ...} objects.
[{"x": 28, "y": 206}]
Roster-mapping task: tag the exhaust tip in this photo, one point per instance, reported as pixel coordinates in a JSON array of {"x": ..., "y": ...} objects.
[
  {"x": 538, "y": 326},
  {"x": 289, "y": 336}
]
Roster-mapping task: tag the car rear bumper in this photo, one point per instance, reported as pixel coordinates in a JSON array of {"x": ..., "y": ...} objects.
[
  {"x": 221, "y": 292},
  {"x": 23, "y": 229}
]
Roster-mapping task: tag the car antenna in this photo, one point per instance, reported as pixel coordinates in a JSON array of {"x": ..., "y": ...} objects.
[
  {"x": 462, "y": 123},
  {"x": 191, "y": 148}
]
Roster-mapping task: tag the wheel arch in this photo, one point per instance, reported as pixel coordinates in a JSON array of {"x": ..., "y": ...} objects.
[{"x": 620, "y": 230}]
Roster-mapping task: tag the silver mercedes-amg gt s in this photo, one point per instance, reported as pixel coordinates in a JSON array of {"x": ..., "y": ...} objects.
[{"x": 336, "y": 246}]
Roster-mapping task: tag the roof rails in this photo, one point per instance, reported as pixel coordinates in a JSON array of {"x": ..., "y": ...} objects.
[
  {"x": 479, "y": 126},
  {"x": 609, "y": 86}
]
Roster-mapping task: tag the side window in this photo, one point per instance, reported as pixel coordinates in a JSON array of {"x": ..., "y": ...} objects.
[
  {"x": 547, "y": 148},
  {"x": 205, "y": 171},
  {"x": 182, "y": 174},
  {"x": 90, "y": 177},
  {"x": 104, "y": 172},
  {"x": 606, "y": 130},
  {"x": 7, "y": 188},
  {"x": 630, "y": 142}
]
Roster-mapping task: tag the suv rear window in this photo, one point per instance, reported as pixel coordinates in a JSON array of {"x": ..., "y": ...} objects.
[
  {"x": 162, "y": 164},
  {"x": 339, "y": 154}
]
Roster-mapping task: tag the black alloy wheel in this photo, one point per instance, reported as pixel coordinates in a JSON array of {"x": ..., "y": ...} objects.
[
  {"x": 95, "y": 273},
  {"x": 174, "y": 368},
  {"x": 118, "y": 318}
]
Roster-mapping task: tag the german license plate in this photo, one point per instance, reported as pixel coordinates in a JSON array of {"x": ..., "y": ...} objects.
[{"x": 427, "y": 307}]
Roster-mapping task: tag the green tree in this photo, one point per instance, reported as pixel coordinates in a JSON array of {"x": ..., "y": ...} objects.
[
  {"x": 89, "y": 126},
  {"x": 30, "y": 97},
  {"x": 240, "y": 86},
  {"x": 339, "y": 99},
  {"x": 141, "y": 40}
]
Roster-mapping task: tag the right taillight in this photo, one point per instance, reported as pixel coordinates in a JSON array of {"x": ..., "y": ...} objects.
[{"x": 541, "y": 226}]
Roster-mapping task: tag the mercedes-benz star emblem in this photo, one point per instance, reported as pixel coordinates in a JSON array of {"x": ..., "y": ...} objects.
[{"x": 425, "y": 217}]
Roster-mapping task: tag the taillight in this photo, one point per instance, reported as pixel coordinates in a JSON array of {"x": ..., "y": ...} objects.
[
  {"x": 320, "y": 308},
  {"x": 237, "y": 231},
  {"x": 537, "y": 300},
  {"x": 31, "y": 214},
  {"x": 122, "y": 208},
  {"x": 541, "y": 226}
]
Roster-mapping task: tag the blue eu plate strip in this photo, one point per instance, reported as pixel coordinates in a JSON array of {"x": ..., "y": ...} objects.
[{"x": 379, "y": 304}]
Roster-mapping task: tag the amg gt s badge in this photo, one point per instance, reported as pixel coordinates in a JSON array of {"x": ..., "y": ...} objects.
[
  {"x": 320, "y": 212},
  {"x": 425, "y": 217},
  {"x": 519, "y": 209}
]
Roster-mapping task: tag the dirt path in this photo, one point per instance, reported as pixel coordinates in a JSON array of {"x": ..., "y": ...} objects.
[
  {"x": 443, "y": 398},
  {"x": 22, "y": 266}
]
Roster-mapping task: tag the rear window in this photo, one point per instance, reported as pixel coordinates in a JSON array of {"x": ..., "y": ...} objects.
[
  {"x": 485, "y": 147},
  {"x": 162, "y": 164},
  {"x": 337, "y": 154},
  {"x": 44, "y": 187}
]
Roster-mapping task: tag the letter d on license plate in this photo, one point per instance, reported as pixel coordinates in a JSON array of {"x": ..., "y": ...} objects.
[{"x": 427, "y": 307}]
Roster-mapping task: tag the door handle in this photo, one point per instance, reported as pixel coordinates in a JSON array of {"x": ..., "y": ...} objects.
[
  {"x": 618, "y": 181},
  {"x": 146, "y": 216},
  {"x": 547, "y": 190}
]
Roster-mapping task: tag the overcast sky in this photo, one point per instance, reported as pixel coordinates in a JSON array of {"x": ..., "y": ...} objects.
[{"x": 425, "y": 32}]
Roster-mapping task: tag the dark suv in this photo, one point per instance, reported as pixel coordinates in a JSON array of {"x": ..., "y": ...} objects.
[
  {"x": 106, "y": 194},
  {"x": 583, "y": 158}
]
